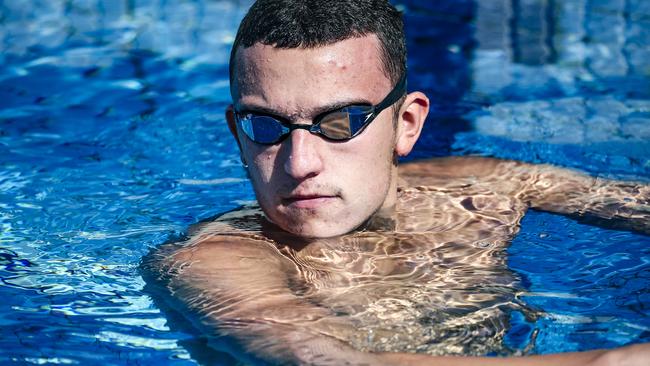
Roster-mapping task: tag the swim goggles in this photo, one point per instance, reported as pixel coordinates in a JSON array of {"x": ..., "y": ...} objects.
[{"x": 338, "y": 125}]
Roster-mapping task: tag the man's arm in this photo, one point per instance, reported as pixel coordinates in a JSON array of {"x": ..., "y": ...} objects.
[
  {"x": 544, "y": 187},
  {"x": 636, "y": 355},
  {"x": 239, "y": 288},
  {"x": 622, "y": 204}
]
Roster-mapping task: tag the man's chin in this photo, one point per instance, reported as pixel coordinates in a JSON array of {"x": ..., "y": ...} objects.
[
  {"x": 316, "y": 233},
  {"x": 315, "y": 229}
]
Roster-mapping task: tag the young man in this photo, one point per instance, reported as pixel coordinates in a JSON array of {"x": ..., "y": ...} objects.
[{"x": 352, "y": 260}]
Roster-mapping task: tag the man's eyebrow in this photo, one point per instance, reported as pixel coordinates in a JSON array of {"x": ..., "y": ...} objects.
[
  {"x": 259, "y": 110},
  {"x": 313, "y": 113},
  {"x": 336, "y": 106}
]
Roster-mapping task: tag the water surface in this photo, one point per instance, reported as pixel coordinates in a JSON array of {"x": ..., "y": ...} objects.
[{"x": 112, "y": 142}]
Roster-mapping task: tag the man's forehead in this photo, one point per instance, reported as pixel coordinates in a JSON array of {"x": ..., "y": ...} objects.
[{"x": 354, "y": 60}]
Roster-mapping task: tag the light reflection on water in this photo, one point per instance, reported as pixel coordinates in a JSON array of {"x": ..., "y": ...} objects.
[
  {"x": 99, "y": 139},
  {"x": 112, "y": 141}
]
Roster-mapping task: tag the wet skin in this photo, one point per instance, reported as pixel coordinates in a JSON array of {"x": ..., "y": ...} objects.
[
  {"x": 430, "y": 277},
  {"x": 351, "y": 255},
  {"x": 308, "y": 185}
]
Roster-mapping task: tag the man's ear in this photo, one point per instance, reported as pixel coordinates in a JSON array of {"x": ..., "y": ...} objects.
[
  {"x": 232, "y": 125},
  {"x": 411, "y": 119}
]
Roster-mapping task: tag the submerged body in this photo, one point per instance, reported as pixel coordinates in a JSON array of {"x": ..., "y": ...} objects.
[
  {"x": 351, "y": 255},
  {"x": 429, "y": 275}
]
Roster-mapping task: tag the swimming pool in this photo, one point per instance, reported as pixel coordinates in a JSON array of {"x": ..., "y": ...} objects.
[{"x": 112, "y": 141}]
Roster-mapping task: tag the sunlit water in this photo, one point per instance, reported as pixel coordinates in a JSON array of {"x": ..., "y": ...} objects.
[{"x": 112, "y": 142}]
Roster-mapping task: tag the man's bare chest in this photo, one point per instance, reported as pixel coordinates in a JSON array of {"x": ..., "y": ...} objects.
[{"x": 443, "y": 243}]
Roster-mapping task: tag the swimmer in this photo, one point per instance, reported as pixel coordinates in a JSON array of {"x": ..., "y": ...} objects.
[{"x": 349, "y": 258}]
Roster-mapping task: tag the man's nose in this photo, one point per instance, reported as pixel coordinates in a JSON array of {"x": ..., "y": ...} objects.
[{"x": 303, "y": 158}]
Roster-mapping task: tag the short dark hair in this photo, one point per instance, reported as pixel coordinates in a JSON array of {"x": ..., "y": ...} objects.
[{"x": 317, "y": 23}]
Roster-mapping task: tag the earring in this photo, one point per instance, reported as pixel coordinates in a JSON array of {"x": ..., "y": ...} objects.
[{"x": 243, "y": 162}]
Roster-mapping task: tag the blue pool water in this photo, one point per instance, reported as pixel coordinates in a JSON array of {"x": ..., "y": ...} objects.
[{"x": 112, "y": 141}]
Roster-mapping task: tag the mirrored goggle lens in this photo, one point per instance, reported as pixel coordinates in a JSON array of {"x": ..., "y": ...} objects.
[
  {"x": 263, "y": 129},
  {"x": 345, "y": 123}
]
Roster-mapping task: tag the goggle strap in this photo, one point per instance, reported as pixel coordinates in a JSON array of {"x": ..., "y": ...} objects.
[{"x": 393, "y": 96}]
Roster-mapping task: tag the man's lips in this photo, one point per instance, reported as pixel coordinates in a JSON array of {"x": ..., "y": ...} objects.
[{"x": 308, "y": 200}]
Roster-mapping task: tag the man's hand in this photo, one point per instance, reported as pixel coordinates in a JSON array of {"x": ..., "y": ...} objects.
[{"x": 636, "y": 355}]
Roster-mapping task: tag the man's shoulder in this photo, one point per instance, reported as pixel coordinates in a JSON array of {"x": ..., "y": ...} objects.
[
  {"x": 439, "y": 171},
  {"x": 248, "y": 218},
  {"x": 227, "y": 231},
  {"x": 220, "y": 244}
]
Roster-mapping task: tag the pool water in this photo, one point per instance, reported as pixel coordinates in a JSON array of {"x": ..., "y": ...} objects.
[{"x": 112, "y": 141}]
